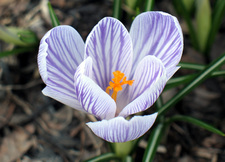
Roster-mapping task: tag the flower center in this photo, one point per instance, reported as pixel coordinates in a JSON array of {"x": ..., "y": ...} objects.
[{"x": 116, "y": 85}]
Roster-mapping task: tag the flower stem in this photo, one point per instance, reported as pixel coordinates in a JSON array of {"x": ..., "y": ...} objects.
[{"x": 122, "y": 150}]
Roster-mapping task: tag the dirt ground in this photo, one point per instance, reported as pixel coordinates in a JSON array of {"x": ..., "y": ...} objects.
[{"x": 36, "y": 128}]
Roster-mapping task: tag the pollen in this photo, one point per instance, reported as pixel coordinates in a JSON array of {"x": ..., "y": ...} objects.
[{"x": 116, "y": 84}]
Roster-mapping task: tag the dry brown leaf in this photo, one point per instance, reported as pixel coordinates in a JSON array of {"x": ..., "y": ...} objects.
[
  {"x": 15, "y": 145},
  {"x": 186, "y": 159},
  {"x": 5, "y": 2},
  {"x": 207, "y": 153},
  {"x": 58, "y": 3},
  {"x": 214, "y": 141}
]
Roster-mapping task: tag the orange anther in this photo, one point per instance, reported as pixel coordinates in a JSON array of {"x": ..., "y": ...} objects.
[{"x": 116, "y": 85}]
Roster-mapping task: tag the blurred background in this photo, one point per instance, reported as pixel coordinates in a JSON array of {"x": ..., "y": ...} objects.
[{"x": 36, "y": 128}]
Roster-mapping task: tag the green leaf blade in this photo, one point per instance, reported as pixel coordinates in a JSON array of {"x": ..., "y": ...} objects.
[
  {"x": 153, "y": 143},
  {"x": 183, "y": 11},
  {"x": 15, "y": 51},
  {"x": 203, "y": 20},
  {"x": 196, "y": 122},
  {"x": 18, "y": 36},
  {"x": 103, "y": 158},
  {"x": 217, "y": 17},
  {"x": 54, "y": 18},
  {"x": 149, "y": 5},
  {"x": 117, "y": 9}
]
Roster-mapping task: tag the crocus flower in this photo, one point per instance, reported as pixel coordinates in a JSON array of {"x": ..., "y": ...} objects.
[{"x": 115, "y": 73}]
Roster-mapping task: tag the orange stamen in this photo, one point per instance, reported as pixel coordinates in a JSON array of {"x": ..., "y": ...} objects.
[{"x": 116, "y": 85}]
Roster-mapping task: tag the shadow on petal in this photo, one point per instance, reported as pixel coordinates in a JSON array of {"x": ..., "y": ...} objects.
[
  {"x": 91, "y": 97},
  {"x": 149, "y": 81}
]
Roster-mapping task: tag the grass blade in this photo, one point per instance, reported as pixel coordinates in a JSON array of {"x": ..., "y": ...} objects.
[
  {"x": 196, "y": 122},
  {"x": 217, "y": 16},
  {"x": 54, "y": 18},
  {"x": 153, "y": 143},
  {"x": 149, "y": 5},
  {"x": 103, "y": 158},
  {"x": 117, "y": 9},
  {"x": 16, "y": 51}
]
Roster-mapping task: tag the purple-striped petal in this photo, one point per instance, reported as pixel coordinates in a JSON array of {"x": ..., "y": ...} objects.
[
  {"x": 92, "y": 98},
  {"x": 121, "y": 130},
  {"x": 110, "y": 47},
  {"x": 60, "y": 53},
  {"x": 158, "y": 34},
  {"x": 149, "y": 81}
]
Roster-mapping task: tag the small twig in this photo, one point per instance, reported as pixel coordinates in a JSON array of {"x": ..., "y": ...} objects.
[
  {"x": 128, "y": 9},
  {"x": 20, "y": 87},
  {"x": 26, "y": 106},
  {"x": 9, "y": 114},
  {"x": 76, "y": 130},
  {"x": 91, "y": 117}
]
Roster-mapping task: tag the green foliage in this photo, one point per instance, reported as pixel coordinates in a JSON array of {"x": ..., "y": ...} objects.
[
  {"x": 133, "y": 7},
  {"x": 217, "y": 16},
  {"x": 25, "y": 40},
  {"x": 183, "y": 11},
  {"x": 104, "y": 157},
  {"x": 176, "y": 81},
  {"x": 188, "y": 4},
  {"x": 131, "y": 3},
  {"x": 206, "y": 24},
  {"x": 54, "y": 18},
  {"x": 153, "y": 142},
  {"x": 117, "y": 9},
  {"x": 203, "y": 75},
  {"x": 16, "y": 51},
  {"x": 196, "y": 122},
  {"x": 203, "y": 21},
  {"x": 123, "y": 149},
  {"x": 17, "y": 36},
  {"x": 149, "y": 5},
  {"x": 157, "y": 133}
]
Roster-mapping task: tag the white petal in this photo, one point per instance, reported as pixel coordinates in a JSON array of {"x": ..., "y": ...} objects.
[{"x": 121, "y": 130}]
